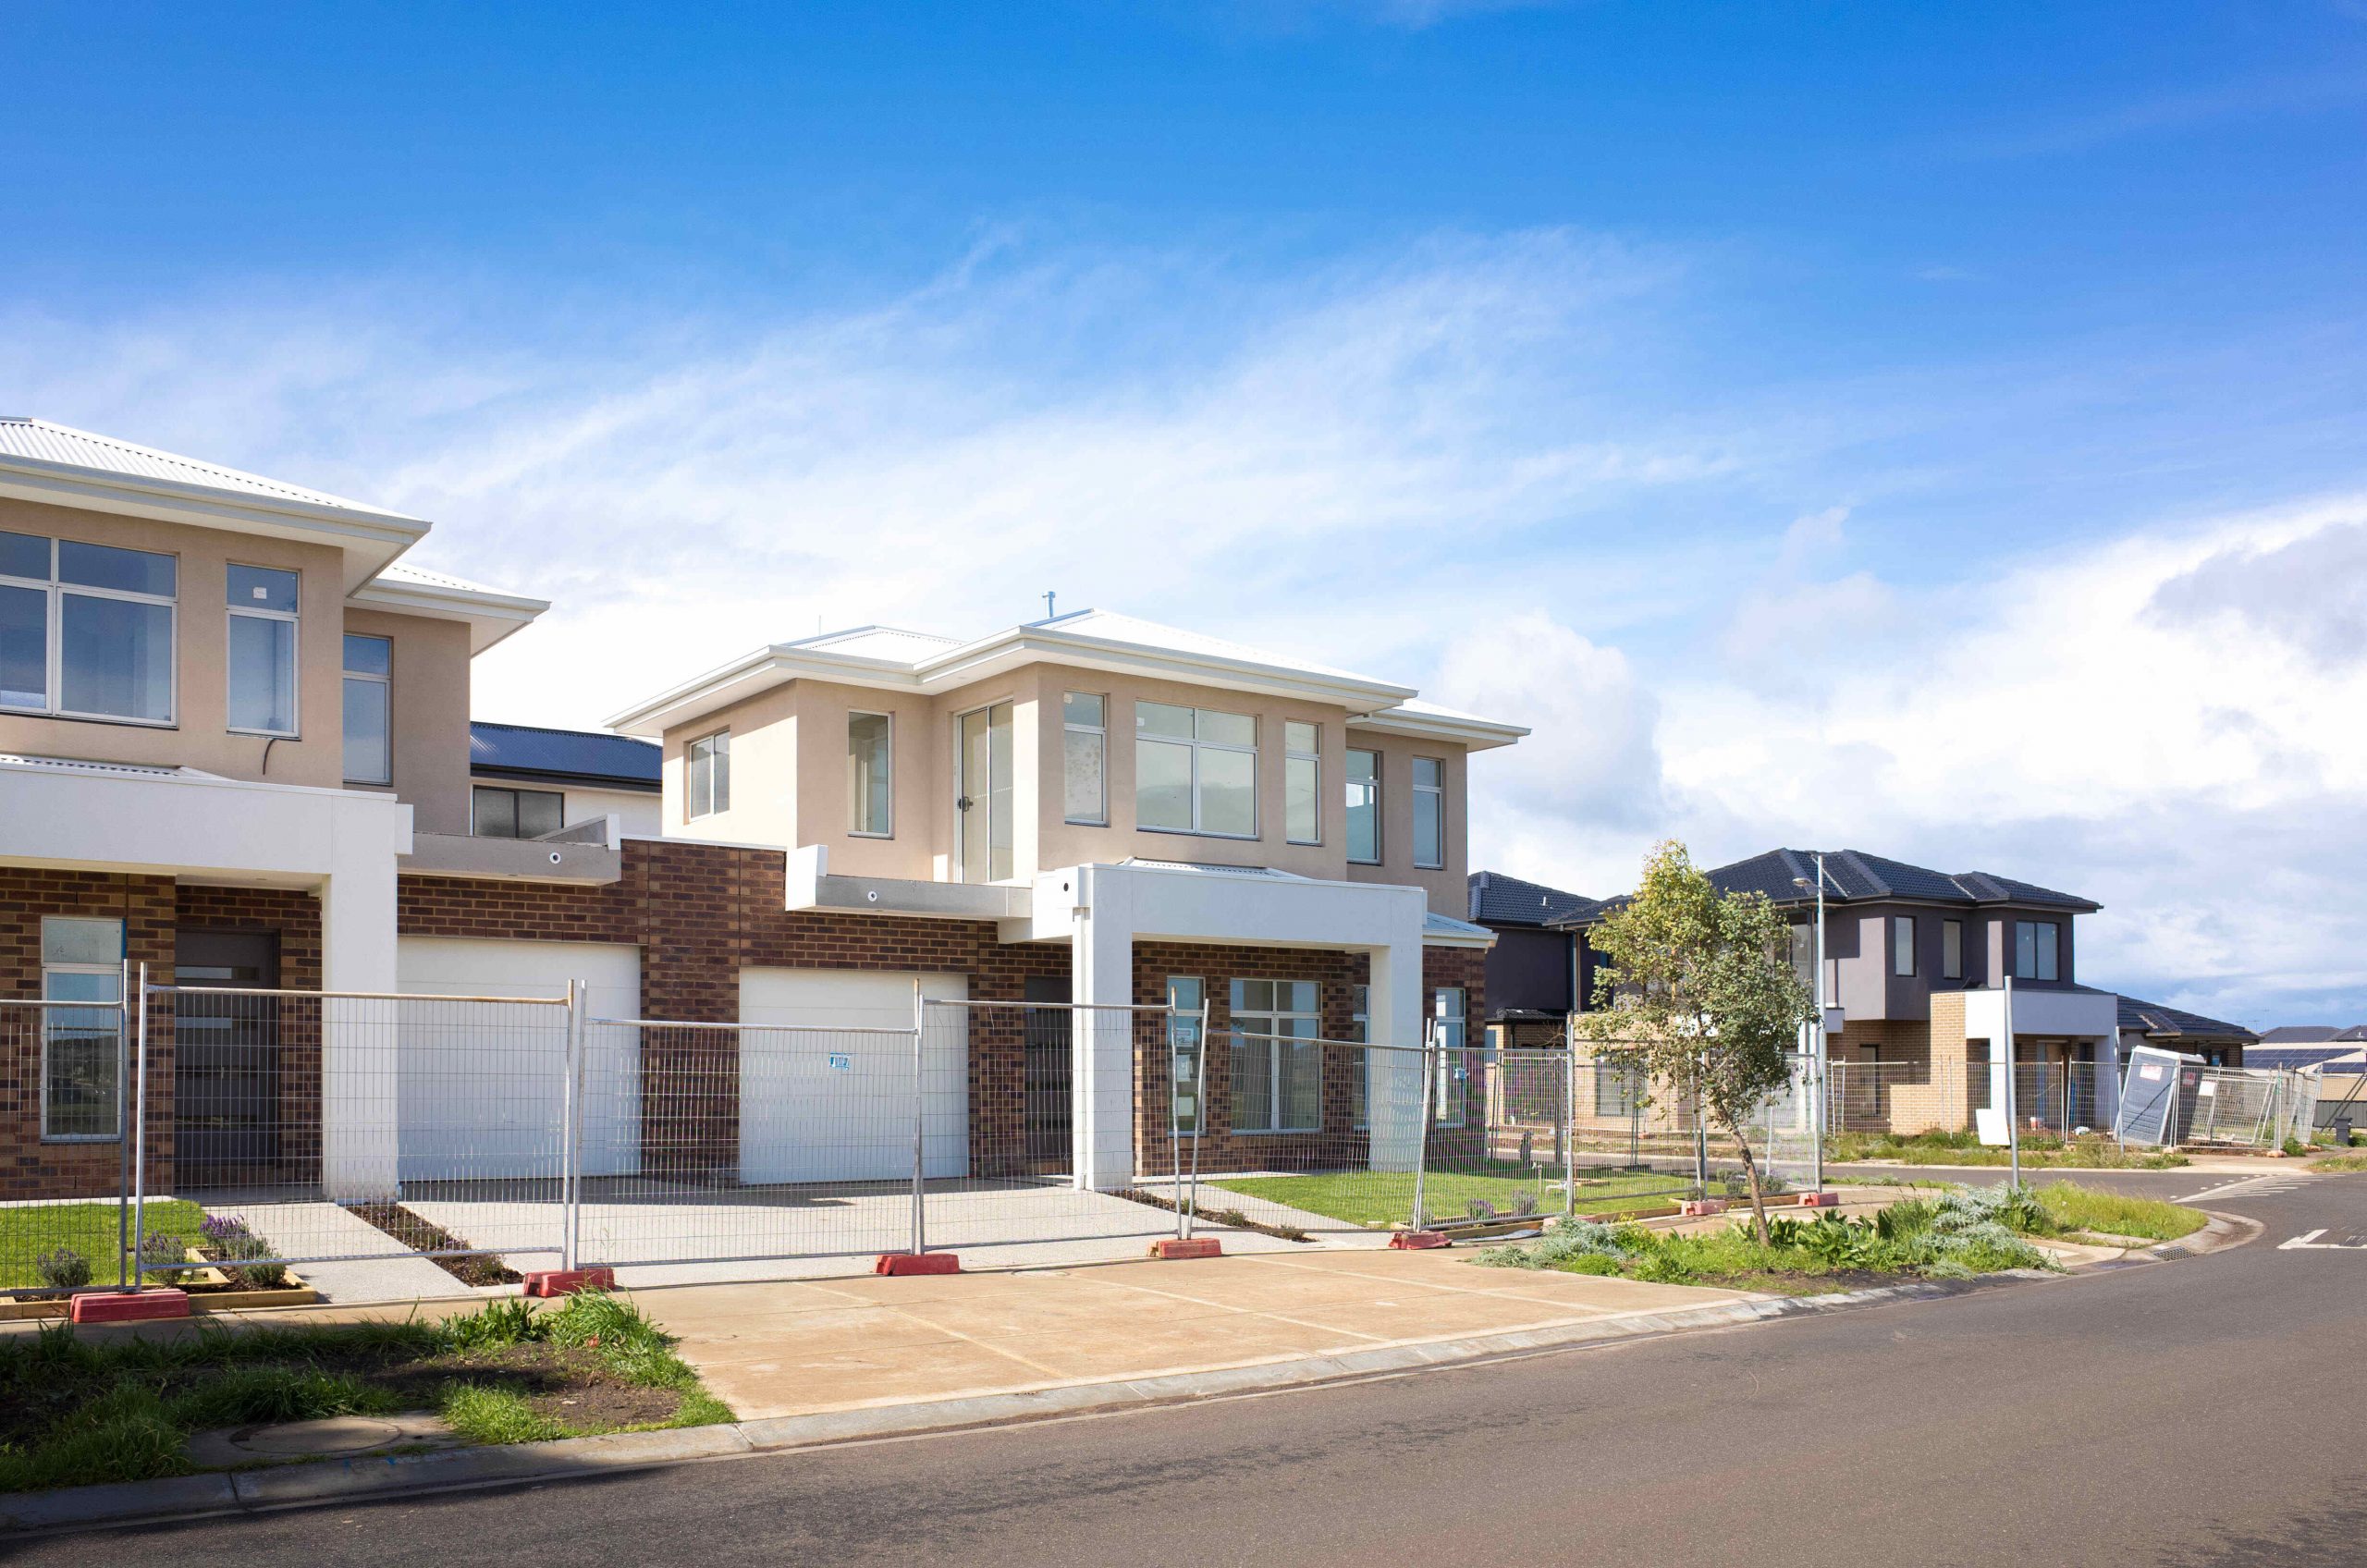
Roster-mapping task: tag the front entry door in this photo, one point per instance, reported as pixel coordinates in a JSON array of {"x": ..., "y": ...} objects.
[
  {"x": 982, "y": 807},
  {"x": 1050, "y": 1050},
  {"x": 226, "y": 1059}
]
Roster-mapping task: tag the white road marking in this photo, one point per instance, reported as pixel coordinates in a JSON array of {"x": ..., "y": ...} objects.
[
  {"x": 2308, "y": 1242},
  {"x": 2262, "y": 1185}
]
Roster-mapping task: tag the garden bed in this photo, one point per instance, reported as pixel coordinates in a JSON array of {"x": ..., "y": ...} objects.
[
  {"x": 421, "y": 1234},
  {"x": 2092, "y": 1152},
  {"x": 215, "y": 1258},
  {"x": 76, "y": 1410},
  {"x": 1379, "y": 1201}
]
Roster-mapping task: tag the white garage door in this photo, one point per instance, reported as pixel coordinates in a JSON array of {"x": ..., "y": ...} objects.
[
  {"x": 820, "y": 1101},
  {"x": 483, "y": 1087}
]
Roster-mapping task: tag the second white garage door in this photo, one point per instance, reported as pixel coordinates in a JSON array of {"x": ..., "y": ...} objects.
[{"x": 820, "y": 1100}]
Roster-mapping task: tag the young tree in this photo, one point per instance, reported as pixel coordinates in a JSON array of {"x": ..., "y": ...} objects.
[{"x": 1700, "y": 997}]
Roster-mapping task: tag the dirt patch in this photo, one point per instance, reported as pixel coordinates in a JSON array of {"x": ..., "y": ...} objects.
[
  {"x": 421, "y": 1234},
  {"x": 573, "y": 1387}
]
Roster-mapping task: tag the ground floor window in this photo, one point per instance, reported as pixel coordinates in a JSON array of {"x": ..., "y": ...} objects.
[
  {"x": 1360, "y": 1081},
  {"x": 1185, "y": 995},
  {"x": 1449, "y": 1103},
  {"x": 1617, "y": 1088},
  {"x": 517, "y": 814},
  {"x": 81, "y": 1076},
  {"x": 1277, "y": 1082}
]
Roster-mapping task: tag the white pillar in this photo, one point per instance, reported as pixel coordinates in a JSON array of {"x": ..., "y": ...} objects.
[
  {"x": 2107, "y": 1086},
  {"x": 359, "y": 1065},
  {"x": 1102, "y": 1080},
  {"x": 1394, "y": 1017}
]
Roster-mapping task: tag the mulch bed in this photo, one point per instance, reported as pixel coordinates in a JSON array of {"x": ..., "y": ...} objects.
[{"x": 421, "y": 1234}]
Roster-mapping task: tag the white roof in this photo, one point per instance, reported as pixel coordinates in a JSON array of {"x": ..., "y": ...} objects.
[
  {"x": 21, "y": 435},
  {"x": 922, "y": 662}
]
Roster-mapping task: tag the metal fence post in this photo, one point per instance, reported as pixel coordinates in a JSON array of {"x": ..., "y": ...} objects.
[
  {"x": 571, "y": 1132},
  {"x": 139, "y": 1138},
  {"x": 1175, "y": 1122},
  {"x": 123, "y": 1148},
  {"x": 1199, "y": 1111},
  {"x": 920, "y": 1122},
  {"x": 1422, "y": 1133},
  {"x": 1569, "y": 1114}
]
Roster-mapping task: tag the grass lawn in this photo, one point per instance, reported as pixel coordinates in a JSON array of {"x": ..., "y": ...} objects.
[
  {"x": 2091, "y": 1152},
  {"x": 31, "y": 1230},
  {"x": 2075, "y": 1209},
  {"x": 1381, "y": 1199},
  {"x": 2340, "y": 1163},
  {"x": 76, "y": 1410}
]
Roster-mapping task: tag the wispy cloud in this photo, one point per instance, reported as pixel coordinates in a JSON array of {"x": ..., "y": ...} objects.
[{"x": 2168, "y": 113}]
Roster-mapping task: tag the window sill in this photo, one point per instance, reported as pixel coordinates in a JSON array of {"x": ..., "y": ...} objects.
[
  {"x": 1275, "y": 1132},
  {"x": 853, "y": 833},
  {"x": 91, "y": 718},
  {"x": 1200, "y": 833},
  {"x": 1099, "y": 822},
  {"x": 1374, "y": 864},
  {"x": 1430, "y": 866},
  {"x": 81, "y": 1137},
  {"x": 265, "y": 734}
]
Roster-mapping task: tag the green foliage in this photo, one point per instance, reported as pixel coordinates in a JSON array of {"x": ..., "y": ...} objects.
[
  {"x": 27, "y": 1231},
  {"x": 2295, "y": 1146},
  {"x": 238, "y": 1251},
  {"x": 2071, "y": 1208},
  {"x": 124, "y": 1435},
  {"x": 496, "y": 1325},
  {"x": 245, "y": 1396},
  {"x": 62, "y": 1269},
  {"x": 2093, "y": 1152},
  {"x": 484, "y": 1414}
]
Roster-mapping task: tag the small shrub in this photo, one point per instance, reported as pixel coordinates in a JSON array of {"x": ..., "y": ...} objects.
[
  {"x": 1525, "y": 1204},
  {"x": 220, "y": 1228},
  {"x": 240, "y": 1256},
  {"x": 1481, "y": 1208},
  {"x": 2295, "y": 1146},
  {"x": 62, "y": 1269},
  {"x": 163, "y": 1255},
  {"x": 495, "y": 1326}
]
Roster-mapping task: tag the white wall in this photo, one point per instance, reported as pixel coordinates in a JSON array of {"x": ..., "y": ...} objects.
[{"x": 825, "y": 1076}]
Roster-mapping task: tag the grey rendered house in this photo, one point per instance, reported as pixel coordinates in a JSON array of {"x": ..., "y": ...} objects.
[{"x": 1530, "y": 969}]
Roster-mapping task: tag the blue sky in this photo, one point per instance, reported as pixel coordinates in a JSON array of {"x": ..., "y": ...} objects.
[{"x": 1935, "y": 430}]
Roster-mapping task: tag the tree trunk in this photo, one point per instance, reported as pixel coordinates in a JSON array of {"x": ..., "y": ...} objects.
[{"x": 1750, "y": 1170}]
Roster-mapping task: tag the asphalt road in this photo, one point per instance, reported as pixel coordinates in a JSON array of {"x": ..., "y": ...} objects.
[{"x": 2186, "y": 1414}]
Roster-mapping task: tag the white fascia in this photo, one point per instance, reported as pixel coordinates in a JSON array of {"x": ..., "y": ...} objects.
[{"x": 490, "y": 616}]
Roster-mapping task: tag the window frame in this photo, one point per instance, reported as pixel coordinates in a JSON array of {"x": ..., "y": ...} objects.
[
  {"x": 1275, "y": 1040},
  {"x": 1902, "y": 946},
  {"x": 295, "y": 618},
  {"x": 1437, "y": 793},
  {"x": 56, "y": 590},
  {"x": 1952, "y": 949},
  {"x": 852, "y": 774},
  {"x": 517, "y": 794},
  {"x": 1370, "y": 785},
  {"x": 717, "y": 743},
  {"x": 1197, "y": 746},
  {"x": 1186, "y": 1015},
  {"x": 346, "y": 674},
  {"x": 2054, "y": 951},
  {"x": 48, "y": 1027},
  {"x": 1100, "y": 733},
  {"x": 1312, "y": 757}
]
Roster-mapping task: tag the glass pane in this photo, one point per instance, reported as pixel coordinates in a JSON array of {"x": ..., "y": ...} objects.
[
  {"x": 24, "y": 555},
  {"x": 722, "y": 746},
  {"x": 2048, "y": 949},
  {"x": 1252, "y": 996},
  {"x": 24, "y": 647},
  {"x": 1302, "y": 1086},
  {"x": 1184, "y": 993},
  {"x": 1082, "y": 772},
  {"x": 65, "y": 940},
  {"x": 116, "y": 657},
  {"x": 1299, "y": 737},
  {"x": 1294, "y": 995},
  {"x": 369, "y": 754},
  {"x": 1160, "y": 718},
  {"x": 104, "y": 565},
  {"x": 79, "y": 1088},
  {"x": 1430, "y": 829},
  {"x": 1229, "y": 792},
  {"x": 1364, "y": 821},
  {"x": 82, "y": 985},
  {"x": 539, "y": 812},
  {"x": 1429, "y": 773},
  {"x": 867, "y": 778},
  {"x": 2025, "y": 951},
  {"x": 368, "y": 655},
  {"x": 1000, "y": 800},
  {"x": 1253, "y": 1084},
  {"x": 260, "y": 588},
  {"x": 976, "y": 778},
  {"x": 1301, "y": 798},
  {"x": 1162, "y": 785},
  {"x": 495, "y": 814},
  {"x": 1228, "y": 728},
  {"x": 698, "y": 780},
  {"x": 1078, "y": 708},
  {"x": 1364, "y": 765},
  {"x": 263, "y": 674}
]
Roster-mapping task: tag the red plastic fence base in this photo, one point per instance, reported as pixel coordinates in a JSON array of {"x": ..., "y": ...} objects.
[
  {"x": 1819, "y": 1200},
  {"x": 1417, "y": 1241},
  {"x": 1174, "y": 1247},
  {"x": 917, "y": 1263},
  {"x": 1702, "y": 1205},
  {"x": 567, "y": 1281},
  {"x": 109, "y": 1306}
]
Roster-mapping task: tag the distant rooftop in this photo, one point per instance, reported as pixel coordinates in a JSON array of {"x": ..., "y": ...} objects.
[
  {"x": 38, "y": 440},
  {"x": 1499, "y": 900},
  {"x": 593, "y": 757},
  {"x": 1788, "y": 878},
  {"x": 2157, "y": 1022}
]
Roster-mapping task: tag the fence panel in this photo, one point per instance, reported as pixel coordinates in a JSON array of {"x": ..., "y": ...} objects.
[{"x": 65, "y": 1070}]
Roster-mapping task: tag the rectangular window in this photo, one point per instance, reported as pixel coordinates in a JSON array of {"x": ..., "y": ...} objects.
[
  {"x": 1430, "y": 813},
  {"x": 1277, "y": 1082},
  {"x": 2037, "y": 950},
  {"x": 1902, "y": 944},
  {"x": 1447, "y": 1104},
  {"x": 1084, "y": 758},
  {"x": 1952, "y": 949},
  {"x": 708, "y": 775},
  {"x": 1616, "y": 1086},
  {"x": 1363, "y": 807},
  {"x": 81, "y": 1076},
  {"x": 1360, "y": 1081},
  {"x": 86, "y": 630},
  {"x": 262, "y": 650},
  {"x": 871, "y": 774},
  {"x": 369, "y": 710},
  {"x": 1301, "y": 783},
  {"x": 1195, "y": 771},
  {"x": 516, "y": 814},
  {"x": 1804, "y": 953},
  {"x": 1185, "y": 994}
]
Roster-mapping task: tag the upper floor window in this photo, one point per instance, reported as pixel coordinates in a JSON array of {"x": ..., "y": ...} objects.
[
  {"x": 516, "y": 814},
  {"x": 1952, "y": 949},
  {"x": 1277, "y": 1079},
  {"x": 1195, "y": 770},
  {"x": 2037, "y": 950},
  {"x": 1085, "y": 759},
  {"x": 1429, "y": 812},
  {"x": 260, "y": 651},
  {"x": 81, "y": 1070},
  {"x": 871, "y": 774},
  {"x": 1804, "y": 952},
  {"x": 86, "y": 630},
  {"x": 708, "y": 775},
  {"x": 1363, "y": 807},
  {"x": 369, "y": 709},
  {"x": 1902, "y": 944},
  {"x": 1301, "y": 783}
]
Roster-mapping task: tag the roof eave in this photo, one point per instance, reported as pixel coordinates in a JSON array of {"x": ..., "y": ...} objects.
[
  {"x": 1472, "y": 734},
  {"x": 1019, "y": 646},
  {"x": 490, "y": 617}
]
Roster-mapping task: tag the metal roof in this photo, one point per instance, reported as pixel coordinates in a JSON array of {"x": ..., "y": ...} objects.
[
  {"x": 593, "y": 755},
  {"x": 38, "y": 440},
  {"x": 2332, "y": 1058}
]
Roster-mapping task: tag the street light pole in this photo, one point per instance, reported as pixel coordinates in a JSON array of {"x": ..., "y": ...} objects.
[
  {"x": 1821, "y": 1110},
  {"x": 2013, "y": 1110}
]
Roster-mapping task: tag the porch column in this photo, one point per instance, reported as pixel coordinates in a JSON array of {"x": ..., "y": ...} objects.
[
  {"x": 1102, "y": 1080},
  {"x": 1394, "y": 1017},
  {"x": 361, "y": 1078}
]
